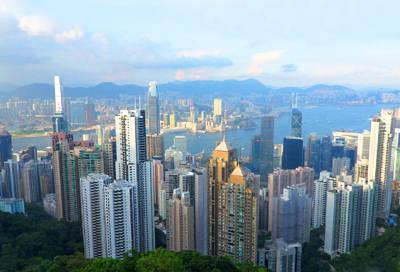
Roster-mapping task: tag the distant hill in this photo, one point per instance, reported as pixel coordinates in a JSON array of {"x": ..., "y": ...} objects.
[{"x": 190, "y": 89}]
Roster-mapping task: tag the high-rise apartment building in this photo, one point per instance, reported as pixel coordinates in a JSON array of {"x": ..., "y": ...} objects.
[
  {"x": 379, "y": 159},
  {"x": 291, "y": 215},
  {"x": 201, "y": 209},
  {"x": 220, "y": 166},
  {"x": 350, "y": 216},
  {"x": 280, "y": 179},
  {"x": 132, "y": 166},
  {"x": 322, "y": 185},
  {"x": 30, "y": 183},
  {"x": 93, "y": 214},
  {"x": 237, "y": 224},
  {"x": 109, "y": 150},
  {"x": 155, "y": 146},
  {"x": 181, "y": 225},
  {"x": 121, "y": 219}
]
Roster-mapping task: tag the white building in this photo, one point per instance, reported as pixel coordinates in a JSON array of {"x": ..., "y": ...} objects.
[
  {"x": 350, "y": 216},
  {"x": 58, "y": 88},
  {"x": 321, "y": 187},
  {"x": 132, "y": 166},
  {"x": 379, "y": 159},
  {"x": 121, "y": 218},
  {"x": 93, "y": 214}
]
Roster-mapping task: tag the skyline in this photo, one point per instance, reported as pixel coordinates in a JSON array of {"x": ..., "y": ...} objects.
[{"x": 280, "y": 43}]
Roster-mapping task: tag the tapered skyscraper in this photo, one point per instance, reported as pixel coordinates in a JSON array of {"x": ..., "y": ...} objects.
[
  {"x": 59, "y": 121},
  {"x": 153, "y": 109}
]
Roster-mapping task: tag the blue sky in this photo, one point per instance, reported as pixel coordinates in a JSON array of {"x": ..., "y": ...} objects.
[{"x": 279, "y": 42}]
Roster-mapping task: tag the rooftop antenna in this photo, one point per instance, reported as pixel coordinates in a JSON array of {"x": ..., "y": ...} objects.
[
  {"x": 135, "y": 104},
  {"x": 294, "y": 101},
  {"x": 140, "y": 105}
]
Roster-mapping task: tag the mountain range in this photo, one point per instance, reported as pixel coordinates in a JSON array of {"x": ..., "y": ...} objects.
[{"x": 190, "y": 89}]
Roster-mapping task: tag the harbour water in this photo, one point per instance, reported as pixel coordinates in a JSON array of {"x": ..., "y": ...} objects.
[{"x": 320, "y": 120}]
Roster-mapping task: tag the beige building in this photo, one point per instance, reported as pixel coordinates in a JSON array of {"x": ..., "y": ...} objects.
[
  {"x": 220, "y": 166},
  {"x": 238, "y": 216},
  {"x": 181, "y": 231}
]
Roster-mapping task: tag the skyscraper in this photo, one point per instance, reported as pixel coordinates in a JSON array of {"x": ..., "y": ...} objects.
[
  {"x": 350, "y": 216},
  {"x": 180, "y": 144},
  {"x": 313, "y": 153},
  {"x": 93, "y": 214},
  {"x": 379, "y": 159},
  {"x": 281, "y": 179},
  {"x": 12, "y": 179},
  {"x": 201, "y": 211},
  {"x": 321, "y": 186},
  {"x": 297, "y": 119},
  {"x": 326, "y": 153},
  {"x": 58, "y": 90},
  {"x": 217, "y": 106},
  {"x": 153, "y": 109},
  {"x": 5, "y": 146},
  {"x": 132, "y": 166},
  {"x": 66, "y": 177},
  {"x": 238, "y": 216},
  {"x": 181, "y": 228},
  {"x": 292, "y": 156},
  {"x": 30, "y": 182},
  {"x": 155, "y": 146},
  {"x": 220, "y": 166},
  {"x": 131, "y": 143},
  {"x": 121, "y": 218},
  {"x": 109, "y": 150},
  {"x": 291, "y": 215},
  {"x": 263, "y": 149},
  {"x": 59, "y": 121}
]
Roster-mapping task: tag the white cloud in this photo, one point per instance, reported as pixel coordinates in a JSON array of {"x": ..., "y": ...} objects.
[
  {"x": 35, "y": 25},
  {"x": 259, "y": 60},
  {"x": 73, "y": 34}
]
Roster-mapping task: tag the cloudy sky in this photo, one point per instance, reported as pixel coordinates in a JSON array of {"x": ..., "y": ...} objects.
[{"x": 280, "y": 42}]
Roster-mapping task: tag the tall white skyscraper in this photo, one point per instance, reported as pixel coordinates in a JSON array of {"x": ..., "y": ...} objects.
[
  {"x": 131, "y": 143},
  {"x": 121, "y": 220},
  {"x": 58, "y": 91},
  {"x": 93, "y": 214},
  {"x": 379, "y": 159},
  {"x": 350, "y": 216},
  {"x": 321, "y": 187},
  {"x": 132, "y": 166}
]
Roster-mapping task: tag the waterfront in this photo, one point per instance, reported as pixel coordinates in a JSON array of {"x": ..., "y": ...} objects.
[{"x": 321, "y": 120}]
